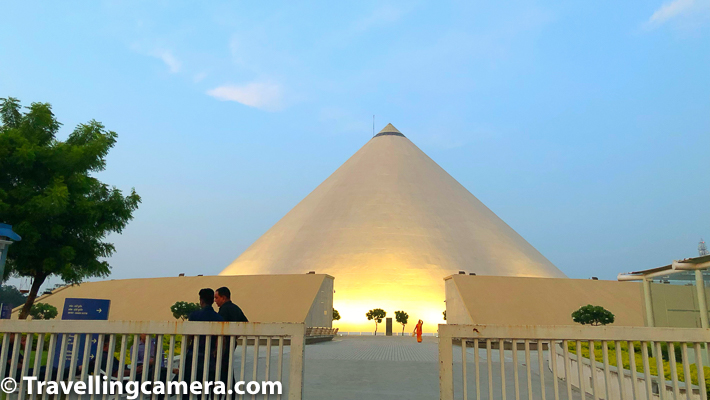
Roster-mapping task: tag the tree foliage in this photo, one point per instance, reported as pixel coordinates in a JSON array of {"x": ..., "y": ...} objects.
[
  {"x": 377, "y": 314},
  {"x": 593, "y": 315},
  {"x": 402, "y": 318},
  {"x": 183, "y": 309},
  {"x": 11, "y": 295},
  {"x": 444, "y": 315},
  {"x": 49, "y": 196},
  {"x": 43, "y": 311},
  {"x": 336, "y": 315}
]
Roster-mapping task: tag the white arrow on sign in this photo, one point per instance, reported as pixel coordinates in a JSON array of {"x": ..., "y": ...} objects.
[{"x": 99, "y": 311}]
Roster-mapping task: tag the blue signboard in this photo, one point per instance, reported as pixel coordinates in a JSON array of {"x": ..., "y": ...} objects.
[
  {"x": 81, "y": 309},
  {"x": 86, "y": 309},
  {"x": 5, "y": 311}
]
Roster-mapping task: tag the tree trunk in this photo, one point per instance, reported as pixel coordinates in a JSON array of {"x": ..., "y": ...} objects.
[
  {"x": 36, "y": 283},
  {"x": 375, "y": 328},
  {"x": 402, "y": 329}
]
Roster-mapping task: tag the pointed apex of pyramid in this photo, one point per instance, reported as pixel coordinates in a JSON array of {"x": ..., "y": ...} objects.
[{"x": 389, "y": 130}]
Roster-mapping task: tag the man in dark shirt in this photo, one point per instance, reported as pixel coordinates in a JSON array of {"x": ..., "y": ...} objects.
[
  {"x": 231, "y": 313},
  {"x": 228, "y": 310},
  {"x": 205, "y": 314}
]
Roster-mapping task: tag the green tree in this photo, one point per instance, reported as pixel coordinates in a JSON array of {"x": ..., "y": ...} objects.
[
  {"x": 336, "y": 315},
  {"x": 10, "y": 295},
  {"x": 183, "y": 309},
  {"x": 43, "y": 311},
  {"x": 49, "y": 196},
  {"x": 402, "y": 318},
  {"x": 593, "y": 315},
  {"x": 377, "y": 314}
]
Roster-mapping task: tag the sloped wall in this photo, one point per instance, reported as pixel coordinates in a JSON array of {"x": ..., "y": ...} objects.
[
  {"x": 538, "y": 301},
  {"x": 263, "y": 298}
]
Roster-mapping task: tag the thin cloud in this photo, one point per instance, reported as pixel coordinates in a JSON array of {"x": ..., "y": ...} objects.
[
  {"x": 166, "y": 56},
  {"x": 169, "y": 59},
  {"x": 262, "y": 95},
  {"x": 670, "y": 10}
]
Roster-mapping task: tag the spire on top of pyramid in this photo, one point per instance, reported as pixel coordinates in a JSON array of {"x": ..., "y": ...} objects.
[{"x": 389, "y": 130}]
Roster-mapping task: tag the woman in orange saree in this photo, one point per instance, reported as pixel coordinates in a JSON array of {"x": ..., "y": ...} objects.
[{"x": 418, "y": 331}]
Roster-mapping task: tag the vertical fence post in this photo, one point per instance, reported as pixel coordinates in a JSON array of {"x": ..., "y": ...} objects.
[
  {"x": 632, "y": 368},
  {"x": 580, "y": 368},
  {"x": 478, "y": 369},
  {"x": 295, "y": 381},
  {"x": 489, "y": 363},
  {"x": 541, "y": 367},
  {"x": 515, "y": 368},
  {"x": 674, "y": 370},
  {"x": 660, "y": 372},
  {"x": 647, "y": 370},
  {"x": 593, "y": 368},
  {"x": 701, "y": 372},
  {"x": 527, "y": 368},
  {"x": 446, "y": 365},
  {"x": 552, "y": 350},
  {"x": 686, "y": 372},
  {"x": 463, "y": 369},
  {"x": 501, "y": 354}
]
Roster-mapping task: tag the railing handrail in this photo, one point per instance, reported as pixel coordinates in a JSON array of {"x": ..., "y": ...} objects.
[
  {"x": 612, "y": 338},
  {"x": 288, "y": 334},
  {"x": 572, "y": 332},
  {"x": 154, "y": 327}
]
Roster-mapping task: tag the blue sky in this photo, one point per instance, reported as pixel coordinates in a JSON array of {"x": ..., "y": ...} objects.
[{"x": 584, "y": 125}]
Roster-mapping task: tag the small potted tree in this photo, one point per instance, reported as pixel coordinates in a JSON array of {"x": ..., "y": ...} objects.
[
  {"x": 593, "y": 315},
  {"x": 376, "y": 314},
  {"x": 182, "y": 309},
  {"x": 402, "y": 318}
]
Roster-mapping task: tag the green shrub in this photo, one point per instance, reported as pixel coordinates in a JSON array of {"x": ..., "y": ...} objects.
[
  {"x": 43, "y": 311},
  {"x": 593, "y": 315},
  {"x": 183, "y": 309}
]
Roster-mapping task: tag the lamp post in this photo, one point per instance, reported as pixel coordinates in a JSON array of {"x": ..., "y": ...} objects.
[{"x": 7, "y": 235}]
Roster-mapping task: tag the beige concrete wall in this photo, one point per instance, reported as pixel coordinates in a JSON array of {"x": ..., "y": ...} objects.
[
  {"x": 538, "y": 301},
  {"x": 676, "y": 306},
  {"x": 321, "y": 313},
  {"x": 456, "y": 311},
  {"x": 263, "y": 298}
]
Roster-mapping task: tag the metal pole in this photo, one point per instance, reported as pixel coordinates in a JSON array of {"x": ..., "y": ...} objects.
[
  {"x": 4, "y": 247},
  {"x": 702, "y": 302},
  {"x": 649, "y": 309},
  {"x": 703, "y": 305},
  {"x": 649, "y": 304}
]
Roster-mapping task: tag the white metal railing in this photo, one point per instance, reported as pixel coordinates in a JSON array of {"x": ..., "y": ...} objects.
[
  {"x": 240, "y": 343},
  {"x": 550, "y": 357}
]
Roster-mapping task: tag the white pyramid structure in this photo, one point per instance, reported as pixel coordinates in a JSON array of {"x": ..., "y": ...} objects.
[{"x": 389, "y": 225}]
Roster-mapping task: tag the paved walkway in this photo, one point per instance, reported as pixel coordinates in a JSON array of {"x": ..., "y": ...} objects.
[{"x": 362, "y": 367}]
